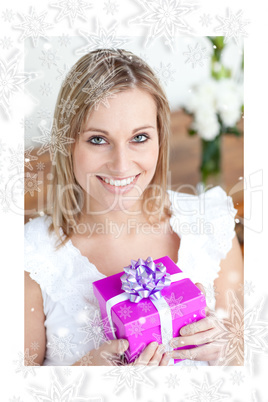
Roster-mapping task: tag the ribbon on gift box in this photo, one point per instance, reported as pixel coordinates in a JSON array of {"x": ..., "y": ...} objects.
[{"x": 145, "y": 279}]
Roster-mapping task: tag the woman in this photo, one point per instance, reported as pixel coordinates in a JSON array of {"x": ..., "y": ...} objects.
[{"x": 110, "y": 204}]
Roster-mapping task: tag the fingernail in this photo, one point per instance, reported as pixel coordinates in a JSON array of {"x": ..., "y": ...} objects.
[
  {"x": 125, "y": 344},
  {"x": 183, "y": 331},
  {"x": 154, "y": 345}
]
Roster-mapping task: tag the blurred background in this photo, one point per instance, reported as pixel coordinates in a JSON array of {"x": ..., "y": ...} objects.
[{"x": 203, "y": 80}]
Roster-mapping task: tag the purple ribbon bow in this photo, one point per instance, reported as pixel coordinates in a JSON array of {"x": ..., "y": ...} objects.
[{"x": 143, "y": 279}]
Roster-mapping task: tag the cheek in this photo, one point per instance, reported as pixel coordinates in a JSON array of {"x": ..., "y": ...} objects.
[
  {"x": 82, "y": 164},
  {"x": 151, "y": 158}
]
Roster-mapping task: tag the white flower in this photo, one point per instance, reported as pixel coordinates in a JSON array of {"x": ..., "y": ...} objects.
[
  {"x": 206, "y": 123},
  {"x": 228, "y": 101},
  {"x": 203, "y": 95},
  {"x": 211, "y": 99}
]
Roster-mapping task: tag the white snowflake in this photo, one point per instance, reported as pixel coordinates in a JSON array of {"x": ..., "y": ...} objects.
[
  {"x": 11, "y": 81},
  {"x": 44, "y": 114},
  {"x": 67, "y": 371},
  {"x": 110, "y": 7},
  {"x": 99, "y": 92},
  {"x": 46, "y": 89},
  {"x": 64, "y": 40},
  {"x": 68, "y": 106},
  {"x": 57, "y": 391},
  {"x": 237, "y": 377},
  {"x": 34, "y": 26},
  {"x": 8, "y": 15},
  {"x": 129, "y": 377},
  {"x": 205, "y": 20},
  {"x": 196, "y": 55},
  {"x": 53, "y": 140},
  {"x": 16, "y": 158},
  {"x": 72, "y": 76},
  {"x": 31, "y": 184},
  {"x": 241, "y": 329},
  {"x": 35, "y": 346},
  {"x": 145, "y": 306},
  {"x": 61, "y": 346},
  {"x": 6, "y": 42},
  {"x": 136, "y": 329},
  {"x": 40, "y": 166},
  {"x": 26, "y": 363},
  {"x": 95, "y": 330},
  {"x": 27, "y": 123},
  {"x": 28, "y": 158},
  {"x": 175, "y": 305},
  {"x": 71, "y": 9},
  {"x": 247, "y": 288},
  {"x": 125, "y": 311},
  {"x": 101, "y": 39},
  {"x": 165, "y": 18},
  {"x": 172, "y": 381},
  {"x": 49, "y": 58},
  {"x": 207, "y": 392},
  {"x": 232, "y": 26},
  {"x": 165, "y": 73},
  {"x": 86, "y": 359}
]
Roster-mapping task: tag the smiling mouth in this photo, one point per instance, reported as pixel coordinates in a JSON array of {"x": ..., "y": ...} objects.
[{"x": 117, "y": 182}]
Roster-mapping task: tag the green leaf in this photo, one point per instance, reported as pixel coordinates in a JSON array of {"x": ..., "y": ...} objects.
[
  {"x": 233, "y": 130},
  {"x": 192, "y": 132}
]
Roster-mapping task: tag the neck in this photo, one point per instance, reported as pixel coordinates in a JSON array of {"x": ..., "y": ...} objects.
[{"x": 113, "y": 223}]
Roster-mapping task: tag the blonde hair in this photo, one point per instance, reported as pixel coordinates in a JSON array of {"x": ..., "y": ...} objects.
[{"x": 93, "y": 78}]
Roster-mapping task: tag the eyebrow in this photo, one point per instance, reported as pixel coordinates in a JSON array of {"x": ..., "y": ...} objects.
[{"x": 106, "y": 132}]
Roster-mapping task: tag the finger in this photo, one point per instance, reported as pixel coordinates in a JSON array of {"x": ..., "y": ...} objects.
[
  {"x": 202, "y": 325},
  {"x": 118, "y": 346},
  {"x": 155, "y": 360},
  {"x": 165, "y": 359},
  {"x": 196, "y": 339},
  {"x": 146, "y": 355},
  {"x": 201, "y": 287},
  {"x": 209, "y": 352}
]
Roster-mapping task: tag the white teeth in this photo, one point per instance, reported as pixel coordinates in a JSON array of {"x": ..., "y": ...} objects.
[{"x": 119, "y": 183}]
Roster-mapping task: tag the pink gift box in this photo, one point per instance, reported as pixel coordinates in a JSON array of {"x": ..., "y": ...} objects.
[{"x": 139, "y": 323}]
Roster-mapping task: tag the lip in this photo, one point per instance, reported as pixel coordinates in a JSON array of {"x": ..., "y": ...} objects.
[{"x": 118, "y": 189}]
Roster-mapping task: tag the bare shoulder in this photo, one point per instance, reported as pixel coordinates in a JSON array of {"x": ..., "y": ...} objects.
[
  {"x": 32, "y": 289},
  {"x": 34, "y": 317}
]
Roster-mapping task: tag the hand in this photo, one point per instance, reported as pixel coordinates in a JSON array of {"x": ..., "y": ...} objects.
[
  {"x": 204, "y": 333},
  {"x": 109, "y": 354}
]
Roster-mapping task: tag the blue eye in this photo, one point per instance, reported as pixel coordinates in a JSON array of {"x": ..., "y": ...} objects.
[
  {"x": 97, "y": 141},
  {"x": 140, "y": 138}
]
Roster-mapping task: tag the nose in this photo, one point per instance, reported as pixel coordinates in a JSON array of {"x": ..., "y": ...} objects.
[{"x": 119, "y": 161}]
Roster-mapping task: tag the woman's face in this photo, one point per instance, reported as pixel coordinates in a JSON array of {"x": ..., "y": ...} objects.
[{"x": 115, "y": 157}]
